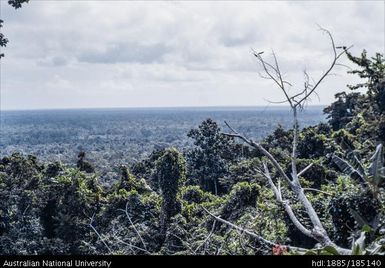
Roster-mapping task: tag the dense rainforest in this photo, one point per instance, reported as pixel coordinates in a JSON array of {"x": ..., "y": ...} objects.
[{"x": 224, "y": 195}]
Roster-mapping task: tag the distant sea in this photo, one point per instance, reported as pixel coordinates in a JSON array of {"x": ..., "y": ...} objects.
[{"x": 128, "y": 134}]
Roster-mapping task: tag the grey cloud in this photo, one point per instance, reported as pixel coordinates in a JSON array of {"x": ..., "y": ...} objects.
[
  {"x": 233, "y": 41},
  {"x": 56, "y": 61},
  {"x": 239, "y": 36},
  {"x": 126, "y": 53},
  {"x": 59, "y": 61},
  {"x": 169, "y": 50}
]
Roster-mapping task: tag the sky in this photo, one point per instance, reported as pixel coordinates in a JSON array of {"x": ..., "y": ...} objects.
[{"x": 83, "y": 54}]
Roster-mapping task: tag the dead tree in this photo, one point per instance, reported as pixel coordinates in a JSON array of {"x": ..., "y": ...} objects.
[{"x": 296, "y": 101}]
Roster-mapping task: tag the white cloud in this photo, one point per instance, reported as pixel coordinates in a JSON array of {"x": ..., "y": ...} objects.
[{"x": 101, "y": 54}]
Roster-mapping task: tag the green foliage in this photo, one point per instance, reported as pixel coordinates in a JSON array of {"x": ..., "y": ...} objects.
[
  {"x": 318, "y": 174},
  {"x": 341, "y": 112},
  {"x": 194, "y": 194},
  {"x": 207, "y": 161},
  {"x": 269, "y": 219},
  {"x": 372, "y": 177},
  {"x": 376, "y": 170},
  {"x": 73, "y": 197},
  {"x": 371, "y": 105},
  {"x": 242, "y": 195},
  {"x": 242, "y": 171},
  {"x": 358, "y": 247},
  {"x": 192, "y": 199},
  {"x": 19, "y": 177},
  {"x": 171, "y": 174},
  {"x": 343, "y": 219},
  {"x": 41, "y": 206},
  {"x": 129, "y": 182},
  {"x": 372, "y": 70},
  {"x": 279, "y": 138},
  {"x": 17, "y": 3},
  {"x": 3, "y": 39},
  {"x": 84, "y": 165},
  {"x": 345, "y": 139},
  {"x": 381, "y": 130},
  {"x": 146, "y": 168},
  {"x": 312, "y": 144}
]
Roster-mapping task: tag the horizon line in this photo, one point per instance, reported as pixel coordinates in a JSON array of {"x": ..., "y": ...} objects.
[{"x": 156, "y": 107}]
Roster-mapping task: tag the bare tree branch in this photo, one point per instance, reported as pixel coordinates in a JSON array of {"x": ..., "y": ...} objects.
[
  {"x": 207, "y": 238},
  {"x": 336, "y": 56},
  {"x": 261, "y": 148},
  {"x": 133, "y": 226},
  {"x": 304, "y": 170},
  {"x": 285, "y": 203},
  {"x": 296, "y": 101},
  {"x": 131, "y": 245},
  {"x": 316, "y": 190},
  {"x": 250, "y": 233},
  {"x": 97, "y": 233},
  {"x": 318, "y": 232}
]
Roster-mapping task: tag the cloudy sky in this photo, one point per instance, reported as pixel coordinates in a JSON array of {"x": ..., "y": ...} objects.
[{"x": 67, "y": 54}]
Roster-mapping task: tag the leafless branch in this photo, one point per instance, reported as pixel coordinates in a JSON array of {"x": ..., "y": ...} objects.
[
  {"x": 316, "y": 190},
  {"x": 296, "y": 101},
  {"x": 183, "y": 242},
  {"x": 207, "y": 238},
  {"x": 276, "y": 102},
  {"x": 285, "y": 203},
  {"x": 259, "y": 147},
  {"x": 133, "y": 225},
  {"x": 305, "y": 169},
  {"x": 131, "y": 245},
  {"x": 250, "y": 233},
  {"x": 97, "y": 233},
  {"x": 336, "y": 56}
]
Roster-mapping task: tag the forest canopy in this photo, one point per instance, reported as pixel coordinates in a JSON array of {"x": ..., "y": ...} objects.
[{"x": 227, "y": 195}]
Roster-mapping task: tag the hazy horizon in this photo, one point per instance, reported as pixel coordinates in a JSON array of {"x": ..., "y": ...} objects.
[
  {"x": 213, "y": 107},
  {"x": 130, "y": 133}
]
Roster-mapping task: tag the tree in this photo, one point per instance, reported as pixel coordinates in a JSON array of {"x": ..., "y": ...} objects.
[
  {"x": 44, "y": 208},
  {"x": 372, "y": 69},
  {"x": 171, "y": 174},
  {"x": 341, "y": 112},
  {"x": 146, "y": 168},
  {"x": 207, "y": 161},
  {"x": 84, "y": 165},
  {"x": 370, "y": 106},
  {"x": 16, "y": 4},
  {"x": 296, "y": 101},
  {"x": 370, "y": 178},
  {"x": 19, "y": 209},
  {"x": 3, "y": 40}
]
